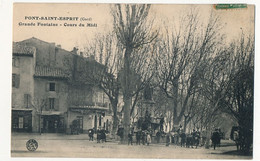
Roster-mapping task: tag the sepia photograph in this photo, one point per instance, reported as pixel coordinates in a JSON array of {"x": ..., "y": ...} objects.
[{"x": 136, "y": 81}]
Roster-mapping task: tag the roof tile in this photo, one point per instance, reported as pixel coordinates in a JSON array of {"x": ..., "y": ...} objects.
[
  {"x": 23, "y": 50},
  {"x": 43, "y": 71}
]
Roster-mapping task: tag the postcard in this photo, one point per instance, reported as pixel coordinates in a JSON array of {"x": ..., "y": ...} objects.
[{"x": 139, "y": 81}]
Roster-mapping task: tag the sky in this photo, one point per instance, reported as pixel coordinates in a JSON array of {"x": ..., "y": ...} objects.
[{"x": 68, "y": 37}]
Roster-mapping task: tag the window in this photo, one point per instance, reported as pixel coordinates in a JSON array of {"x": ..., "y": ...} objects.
[
  {"x": 27, "y": 100},
  {"x": 51, "y": 103},
  {"x": 52, "y": 86},
  {"x": 20, "y": 123},
  {"x": 15, "y": 80},
  {"x": 16, "y": 62}
]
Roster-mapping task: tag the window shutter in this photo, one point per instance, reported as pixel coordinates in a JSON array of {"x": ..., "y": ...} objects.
[
  {"x": 47, "y": 104},
  {"x": 17, "y": 81},
  {"x": 25, "y": 100},
  {"x": 56, "y": 104},
  {"x": 47, "y": 87},
  {"x": 29, "y": 100},
  {"x": 57, "y": 87}
]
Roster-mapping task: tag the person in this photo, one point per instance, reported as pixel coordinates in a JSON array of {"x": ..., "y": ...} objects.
[
  {"x": 168, "y": 139},
  {"x": 236, "y": 138},
  {"x": 158, "y": 136},
  {"x": 98, "y": 135},
  {"x": 143, "y": 137},
  {"x": 172, "y": 137},
  {"x": 188, "y": 140},
  {"x": 91, "y": 134},
  {"x": 138, "y": 137},
  {"x": 215, "y": 138},
  {"x": 183, "y": 138},
  {"x": 103, "y": 135},
  {"x": 120, "y": 133},
  {"x": 195, "y": 137},
  {"x": 130, "y": 139},
  {"x": 177, "y": 135},
  {"x": 148, "y": 139}
]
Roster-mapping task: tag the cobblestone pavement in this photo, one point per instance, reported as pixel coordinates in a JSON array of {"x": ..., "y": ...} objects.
[{"x": 78, "y": 146}]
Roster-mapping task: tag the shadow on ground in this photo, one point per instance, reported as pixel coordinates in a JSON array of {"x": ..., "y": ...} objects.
[{"x": 234, "y": 152}]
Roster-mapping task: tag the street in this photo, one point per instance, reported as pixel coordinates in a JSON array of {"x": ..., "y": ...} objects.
[{"x": 78, "y": 146}]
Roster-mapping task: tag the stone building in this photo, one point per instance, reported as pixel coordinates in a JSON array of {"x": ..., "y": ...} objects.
[
  {"x": 22, "y": 87},
  {"x": 49, "y": 93}
]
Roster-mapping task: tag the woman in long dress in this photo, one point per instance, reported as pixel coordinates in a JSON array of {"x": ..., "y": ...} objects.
[{"x": 149, "y": 140}]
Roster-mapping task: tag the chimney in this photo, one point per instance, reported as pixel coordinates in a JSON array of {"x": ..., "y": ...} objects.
[
  {"x": 81, "y": 53},
  {"x": 59, "y": 46},
  {"x": 75, "y": 50}
]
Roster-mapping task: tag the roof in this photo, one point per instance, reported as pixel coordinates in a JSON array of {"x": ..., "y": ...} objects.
[
  {"x": 23, "y": 50},
  {"x": 44, "y": 71},
  {"x": 21, "y": 109}
]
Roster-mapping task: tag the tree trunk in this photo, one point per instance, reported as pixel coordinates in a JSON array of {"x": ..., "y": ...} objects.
[
  {"x": 175, "y": 104},
  {"x": 208, "y": 134},
  {"x": 40, "y": 124},
  {"x": 127, "y": 103},
  {"x": 115, "y": 119},
  {"x": 127, "y": 94}
]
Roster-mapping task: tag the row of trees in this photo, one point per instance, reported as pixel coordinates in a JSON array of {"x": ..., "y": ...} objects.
[{"x": 197, "y": 73}]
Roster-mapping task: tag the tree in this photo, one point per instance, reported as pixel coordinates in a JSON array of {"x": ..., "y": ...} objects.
[
  {"x": 240, "y": 94},
  {"x": 180, "y": 67},
  {"x": 133, "y": 30},
  {"x": 105, "y": 49},
  {"x": 38, "y": 104}
]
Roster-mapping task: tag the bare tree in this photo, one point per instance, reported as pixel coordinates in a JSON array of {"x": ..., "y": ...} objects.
[
  {"x": 133, "y": 30},
  {"x": 105, "y": 49},
  {"x": 38, "y": 105},
  {"x": 181, "y": 65},
  {"x": 240, "y": 94}
]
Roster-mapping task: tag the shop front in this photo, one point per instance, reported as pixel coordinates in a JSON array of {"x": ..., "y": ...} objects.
[
  {"x": 21, "y": 120},
  {"x": 52, "y": 122},
  {"x": 82, "y": 119}
]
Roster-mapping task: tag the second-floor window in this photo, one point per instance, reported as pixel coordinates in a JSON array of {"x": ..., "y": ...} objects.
[
  {"x": 16, "y": 62},
  {"x": 52, "y": 87},
  {"x": 52, "y": 103},
  {"x": 15, "y": 80},
  {"x": 27, "y": 100}
]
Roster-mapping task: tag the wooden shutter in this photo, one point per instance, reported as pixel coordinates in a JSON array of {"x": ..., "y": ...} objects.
[
  {"x": 17, "y": 80},
  {"x": 57, "y": 87},
  {"x": 25, "y": 100},
  {"x": 47, "y": 104},
  {"x": 56, "y": 104},
  {"x": 29, "y": 100},
  {"x": 47, "y": 87}
]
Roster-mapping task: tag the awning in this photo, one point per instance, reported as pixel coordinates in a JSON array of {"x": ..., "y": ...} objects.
[
  {"x": 89, "y": 108},
  {"x": 21, "y": 109},
  {"x": 49, "y": 113}
]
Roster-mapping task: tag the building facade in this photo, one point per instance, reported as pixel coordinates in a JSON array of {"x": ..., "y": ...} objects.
[
  {"x": 48, "y": 94},
  {"x": 22, "y": 87}
]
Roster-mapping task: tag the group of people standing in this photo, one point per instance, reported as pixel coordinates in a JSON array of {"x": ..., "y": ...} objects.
[
  {"x": 101, "y": 135},
  {"x": 142, "y": 136},
  {"x": 184, "y": 140}
]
